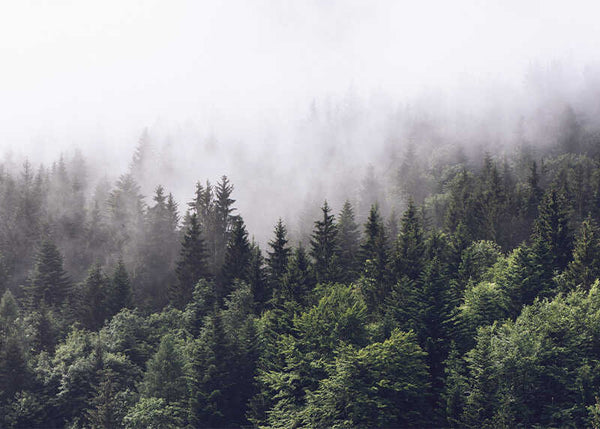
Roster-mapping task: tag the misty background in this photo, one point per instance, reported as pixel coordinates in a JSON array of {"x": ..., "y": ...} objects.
[{"x": 294, "y": 101}]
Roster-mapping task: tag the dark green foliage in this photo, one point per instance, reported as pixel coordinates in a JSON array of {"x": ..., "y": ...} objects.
[
  {"x": 191, "y": 266},
  {"x": 279, "y": 254},
  {"x": 121, "y": 295},
  {"x": 382, "y": 385},
  {"x": 237, "y": 258},
  {"x": 298, "y": 281},
  {"x": 349, "y": 241},
  {"x": 96, "y": 292},
  {"x": 473, "y": 310},
  {"x": 325, "y": 247},
  {"x": 48, "y": 282},
  {"x": 552, "y": 241},
  {"x": 584, "y": 269},
  {"x": 410, "y": 245}
]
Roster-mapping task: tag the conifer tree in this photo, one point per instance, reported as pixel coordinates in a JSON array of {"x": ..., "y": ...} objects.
[
  {"x": 584, "y": 269},
  {"x": 257, "y": 278},
  {"x": 410, "y": 246},
  {"x": 349, "y": 239},
  {"x": 279, "y": 254},
  {"x": 237, "y": 258},
  {"x": 298, "y": 280},
  {"x": 325, "y": 247},
  {"x": 551, "y": 239},
  {"x": 121, "y": 295},
  {"x": 224, "y": 220},
  {"x": 96, "y": 296},
  {"x": 191, "y": 266},
  {"x": 374, "y": 253},
  {"x": 48, "y": 282}
]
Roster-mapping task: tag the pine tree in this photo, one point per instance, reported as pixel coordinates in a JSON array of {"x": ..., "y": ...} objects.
[
  {"x": 257, "y": 278},
  {"x": 325, "y": 247},
  {"x": 96, "y": 295},
  {"x": 191, "y": 266},
  {"x": 349, "y": 239},
  {"x": 165, "y": 377},
  {"x": 584, "y": 269},
  {"x": 121, "y": 295},
  {"x": 410, "y": 246},
  {"x": 297, "y": 282},
  {"x": 48, "y": 282},
  {"x": 551, "y": 239},
  {"x": 224, "y": 220},
  {"x": 375, "y": 256},
  {"x": 237, "y": 258},
  {"x": 278, "y": 257},
  {"x": 158, "y": 251}
]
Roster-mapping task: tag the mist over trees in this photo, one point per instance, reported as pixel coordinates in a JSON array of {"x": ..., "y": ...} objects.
[{"x": 455, "y": 287}]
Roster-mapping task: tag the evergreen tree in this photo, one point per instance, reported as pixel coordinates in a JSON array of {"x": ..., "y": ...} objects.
[
  {"x": 298, "y": 280},
  {"x": 224, "y": 220},
  {"x": 257, "y": 278},
  {"x": 325, "y": 247},
  {"x": 551, "y": 240},
  {"x": 375, "y": 256},
  {"x": 237, "y": 258},
  {"x": 96, "y": 295},
  {"x": 278, "y": 257},
  {"x": 191, "y": 266},
  {"x": 48, "y": 282},
  {"x": 121, "y": 295},
  {"x": 410, "y": 246},
  {"x": 584, "y": 269},
  {"x": 349, "y": 239}
]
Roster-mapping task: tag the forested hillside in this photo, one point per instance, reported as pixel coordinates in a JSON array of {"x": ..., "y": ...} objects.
[{"x": 474, "y": 304}]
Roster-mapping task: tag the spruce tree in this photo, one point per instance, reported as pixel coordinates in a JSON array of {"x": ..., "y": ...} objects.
[
  {"x": 552, "y": 241},
  {"x": 257, "y": 278},
  {"x": 349, "y": 239},
  {"x": 279, "y": 254},
  {"x": 325, "y": 247},
  {"x": 297, "y": 282},
  {"x": 410, "y": 246},
  {"x": 237, "y": 258},
  {"x": 584, "y": 269},
  {"x": 48, "y": 282},
  {"x": 191, "y": 266},
  {"x": 224, "y": 220},
  {"x": 121, "y": 295},
  {"x": 374, "y": 253},
  {"x": 96, "y": 296}
]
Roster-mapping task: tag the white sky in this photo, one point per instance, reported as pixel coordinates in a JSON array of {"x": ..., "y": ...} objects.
[{"x": 96, "y": 72}]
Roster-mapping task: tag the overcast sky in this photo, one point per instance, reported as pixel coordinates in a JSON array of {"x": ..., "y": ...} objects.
[{"x": 96, "y": 72}]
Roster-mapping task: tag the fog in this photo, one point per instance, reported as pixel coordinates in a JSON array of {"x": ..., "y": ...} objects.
[{"x": 292, "y": 100}]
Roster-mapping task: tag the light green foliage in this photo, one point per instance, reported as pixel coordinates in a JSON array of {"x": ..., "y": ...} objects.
[
  {"x": 381, "y": 385},
  {"x": 153, "y": 413}
]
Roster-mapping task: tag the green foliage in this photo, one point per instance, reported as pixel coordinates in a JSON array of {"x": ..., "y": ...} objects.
[
  {"x": 325, "y": 247},
  {"x": 153, "y": 413},
  {"x": 381, "y": 385},
  {"x": 48, "y": 282},
  {"x": 191, "y": 266}
]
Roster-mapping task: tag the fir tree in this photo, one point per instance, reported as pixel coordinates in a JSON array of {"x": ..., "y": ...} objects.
[
  {"x": 349, "y": 239},
  {"x": 237, "y": 258},
  {"x": 584, "y": 269},
  {"x": 191, "y": 266},
  {"x": 279, "y": 254},
  {"x": 410, "y": 246},
  {"x": 325, "y": 248},
  {"x": 121, "y": 295},
  {"x": 48, "y": 282}
]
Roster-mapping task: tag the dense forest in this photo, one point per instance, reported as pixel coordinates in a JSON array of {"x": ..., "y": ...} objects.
[{"x": 474, "y": 303}]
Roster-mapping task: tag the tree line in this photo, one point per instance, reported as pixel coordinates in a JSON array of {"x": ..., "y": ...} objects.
[{"x": 478, "y": 306}]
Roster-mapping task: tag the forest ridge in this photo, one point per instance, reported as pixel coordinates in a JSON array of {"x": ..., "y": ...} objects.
[{"x": 477, "y": 305}]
